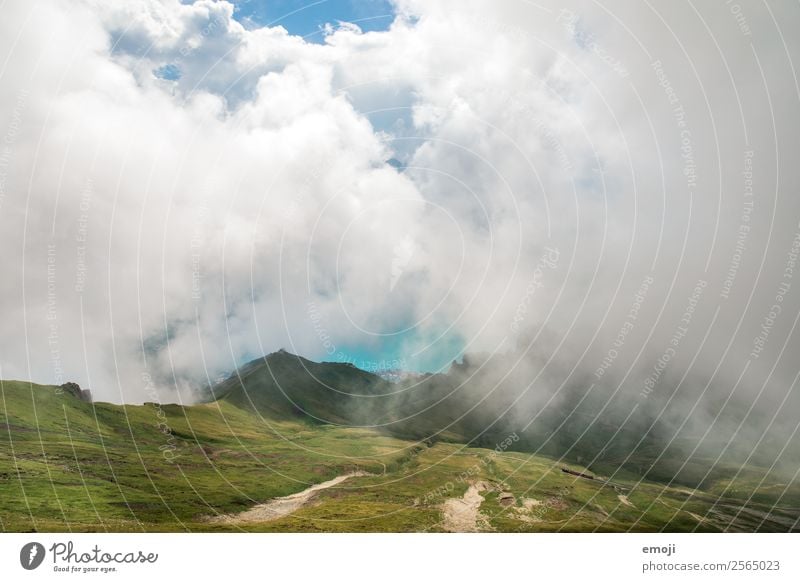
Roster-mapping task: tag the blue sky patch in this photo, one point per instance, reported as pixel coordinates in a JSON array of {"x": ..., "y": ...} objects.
[
  {"x": 307, "y": 18},
  {"x": 387, "y": 354},
  {"x": 168, "y": 72}
]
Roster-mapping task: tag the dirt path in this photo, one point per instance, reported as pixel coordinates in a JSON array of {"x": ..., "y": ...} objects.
[
  {"x": 624, "y": 499},
  {"x": 283, "y": 506},
  {"x": 462, "y": 515}
]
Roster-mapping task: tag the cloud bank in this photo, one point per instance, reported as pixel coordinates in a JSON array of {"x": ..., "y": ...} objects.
[{"x": 606, "y": 193}]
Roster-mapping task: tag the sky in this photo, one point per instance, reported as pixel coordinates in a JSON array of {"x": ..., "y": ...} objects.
[
  {"x": 309, "y": 19},
  {"x": 608, "y": 191}
]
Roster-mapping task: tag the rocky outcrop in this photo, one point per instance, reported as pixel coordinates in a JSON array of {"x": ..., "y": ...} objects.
[{"x": 76, "y": 391}]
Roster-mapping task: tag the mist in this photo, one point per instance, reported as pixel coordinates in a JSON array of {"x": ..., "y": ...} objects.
[{"x": 605, "y": 197}]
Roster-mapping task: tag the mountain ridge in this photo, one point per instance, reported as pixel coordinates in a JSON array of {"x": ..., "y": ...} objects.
[{"x": 75, "y": 465}]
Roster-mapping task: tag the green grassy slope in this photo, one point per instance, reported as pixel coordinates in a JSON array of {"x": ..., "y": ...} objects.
[
  {"x": 66, "y": 464},
  {"x": 482, "y": 400},
  {"x": 70, "y": 465}
]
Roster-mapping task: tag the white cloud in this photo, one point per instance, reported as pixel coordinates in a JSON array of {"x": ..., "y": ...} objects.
[{"x": 257, "y": 179}]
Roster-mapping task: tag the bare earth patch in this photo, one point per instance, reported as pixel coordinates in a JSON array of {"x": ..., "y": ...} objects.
[
  {"x": 282, "y": 506},
  {"x": 463, "y": 515},
  {"x": 529, "y": 503}
]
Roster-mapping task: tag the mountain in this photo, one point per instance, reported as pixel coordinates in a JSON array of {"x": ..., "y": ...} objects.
[
  {"x": 283, "y": 425},
  {"x": 482, "y": 400},
  {"x": 283, "y": 385},
  {"x": 422, "y": 406}
]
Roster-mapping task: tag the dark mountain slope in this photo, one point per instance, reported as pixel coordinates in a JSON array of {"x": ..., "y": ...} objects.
[
  {"x": 484, "y": 400},
  {"x": 283, "y": 385}
]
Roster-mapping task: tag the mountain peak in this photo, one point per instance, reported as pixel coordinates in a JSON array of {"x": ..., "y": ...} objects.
[{"x": 285, "y": 385}]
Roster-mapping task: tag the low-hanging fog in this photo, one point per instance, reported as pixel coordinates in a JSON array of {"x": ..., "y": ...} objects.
[{"x": 605, "y": 195}]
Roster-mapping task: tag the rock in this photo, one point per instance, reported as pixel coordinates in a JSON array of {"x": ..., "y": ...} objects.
[
  {"x": 506, "y": 498},
  {"x": 76, "y": 391}
]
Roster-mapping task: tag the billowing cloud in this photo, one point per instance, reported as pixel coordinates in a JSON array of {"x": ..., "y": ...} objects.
[{"x": 604, "y": 191}]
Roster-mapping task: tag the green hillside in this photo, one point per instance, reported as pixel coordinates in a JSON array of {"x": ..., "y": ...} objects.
[
  {"x": 67, "y": 464},
  {"x": 483, "y": 399},
  {"x": 285, "y": 386}
]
